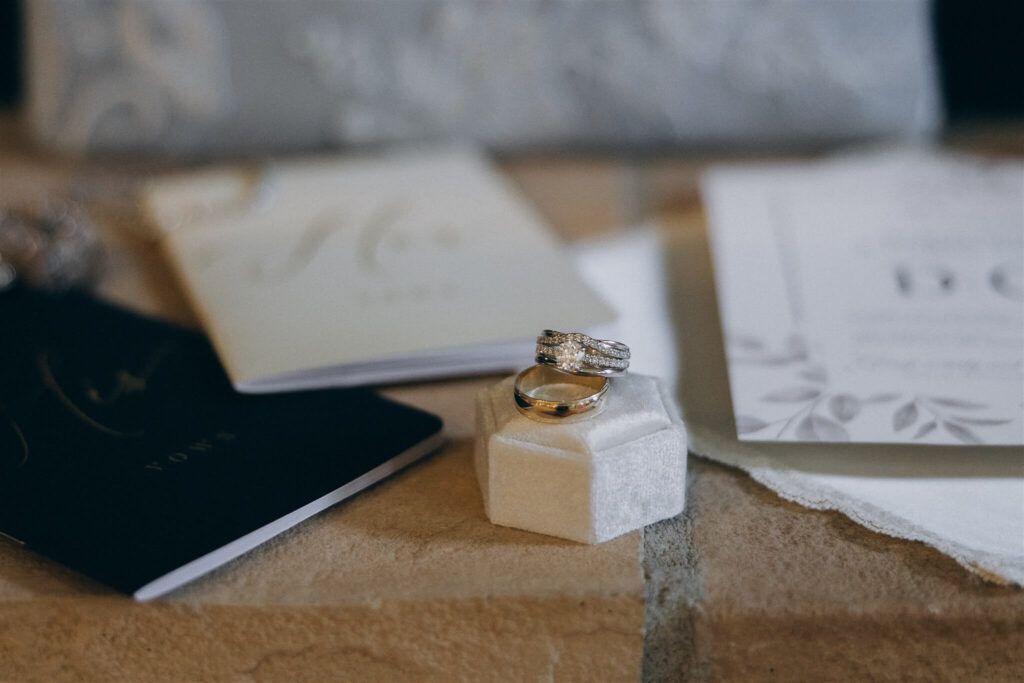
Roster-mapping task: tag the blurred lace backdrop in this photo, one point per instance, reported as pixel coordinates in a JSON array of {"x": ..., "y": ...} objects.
[
  {"x": 209, "y": 76},
  {"x": 227, "y": 75}
]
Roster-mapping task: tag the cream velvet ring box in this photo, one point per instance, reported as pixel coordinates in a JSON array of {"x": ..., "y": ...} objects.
[{"x": 588, "y": 480}]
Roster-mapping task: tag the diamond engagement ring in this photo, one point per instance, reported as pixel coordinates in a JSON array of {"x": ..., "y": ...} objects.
[
  {"x": 577, "y": 354},
  {"x": 549, "y": 395}
]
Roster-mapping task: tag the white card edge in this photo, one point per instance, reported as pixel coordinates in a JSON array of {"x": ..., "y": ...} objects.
[{"x": 242, "y": 545}]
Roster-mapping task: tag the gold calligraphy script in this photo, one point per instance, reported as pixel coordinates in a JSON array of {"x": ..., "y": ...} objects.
[
  {"x": 201, "y": 446},
  {"x": 19, "y": 436},
  {"x": 123, "y": 383},
  {"x": 382, "y": 240}
]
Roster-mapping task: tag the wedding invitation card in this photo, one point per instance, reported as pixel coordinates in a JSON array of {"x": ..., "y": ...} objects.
[
  {"x": 339, "y": 272},
  {"x": 126, "y": 454},
  {"x": 875, "y": 298}
]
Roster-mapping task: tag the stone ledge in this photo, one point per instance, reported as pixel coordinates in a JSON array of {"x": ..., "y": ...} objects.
[
  {"x": 106, "y": 638},
  {"x": 406, "y": 581}
]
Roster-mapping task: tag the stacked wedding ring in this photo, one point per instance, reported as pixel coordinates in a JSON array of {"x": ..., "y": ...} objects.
[
  {"x": 543, "y": 393},
  {"x": 571, "y": 376},
  {"x": 578, "y": 354}
]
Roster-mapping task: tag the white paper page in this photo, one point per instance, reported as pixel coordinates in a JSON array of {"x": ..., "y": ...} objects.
[
  {"x": 345, "y": 269},
  {"x": 873, "y": 299},
  {"x": 628, "y": 271}
]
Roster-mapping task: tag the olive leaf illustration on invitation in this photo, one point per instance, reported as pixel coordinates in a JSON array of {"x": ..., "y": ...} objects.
[
  {"x": 871, "y": 299},
  {"x": 812, "y": 410}
]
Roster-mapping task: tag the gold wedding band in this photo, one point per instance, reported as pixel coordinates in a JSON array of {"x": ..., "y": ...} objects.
[{"x": 546, "y": 394}]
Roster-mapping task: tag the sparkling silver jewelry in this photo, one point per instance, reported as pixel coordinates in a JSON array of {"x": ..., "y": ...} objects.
[
  {"x": 578, "y": 354},
  {"x": 52, "y": 245}
]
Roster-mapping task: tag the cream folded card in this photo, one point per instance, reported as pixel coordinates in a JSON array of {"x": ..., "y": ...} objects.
[
  {"x": 366, "y": 270},
  {"x": 874, "y": 298}
]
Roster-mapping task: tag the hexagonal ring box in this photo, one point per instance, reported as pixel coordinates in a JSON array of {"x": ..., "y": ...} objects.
[{"x": 588, "y": 480}]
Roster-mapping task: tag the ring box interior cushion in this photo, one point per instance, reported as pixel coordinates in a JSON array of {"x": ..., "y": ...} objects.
[{"x": 586, "y": 480}]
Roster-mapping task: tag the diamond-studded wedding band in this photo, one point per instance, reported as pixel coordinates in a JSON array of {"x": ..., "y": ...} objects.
[
  {"x": 548, "y": 395},
  {"x": 578, "y": 354}
]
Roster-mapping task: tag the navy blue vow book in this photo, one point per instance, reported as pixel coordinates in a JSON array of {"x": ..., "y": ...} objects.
[{"x": 126, "y": 454}]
